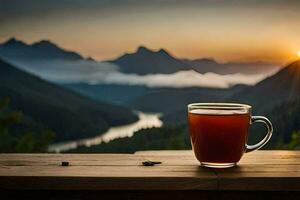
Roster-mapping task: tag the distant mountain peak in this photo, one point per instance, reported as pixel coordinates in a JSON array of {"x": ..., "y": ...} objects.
[
  {"x": 14, "y": 49},
  {"x": 143, "y": 49},
  {"x": 13, "y": 42},
  {"x": 44, "y": 43},
  {"x": 163, "y": 51},
  {"x": 147, "y": 61}
]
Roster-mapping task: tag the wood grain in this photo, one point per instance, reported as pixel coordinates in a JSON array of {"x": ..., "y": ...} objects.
[{"x": 257, "y": 171}]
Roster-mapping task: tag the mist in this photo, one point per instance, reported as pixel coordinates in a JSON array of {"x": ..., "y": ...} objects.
[
  {"x": 181, "y": 79},
  {"x": 92, "y": 72}
]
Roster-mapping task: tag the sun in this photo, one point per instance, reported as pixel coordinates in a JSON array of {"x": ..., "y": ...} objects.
[{"x": 298, "y": 54}]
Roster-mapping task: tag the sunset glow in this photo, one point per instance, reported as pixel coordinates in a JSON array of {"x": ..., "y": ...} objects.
[{"x": 222, "y": 30}]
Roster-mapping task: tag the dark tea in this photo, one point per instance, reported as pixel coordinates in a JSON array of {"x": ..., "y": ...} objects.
[
  {"x": 218, "y": 136},
  {"x": 219, "y": 132}
]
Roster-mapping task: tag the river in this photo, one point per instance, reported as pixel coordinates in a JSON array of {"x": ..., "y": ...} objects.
[{"x": 146, "y": 120}]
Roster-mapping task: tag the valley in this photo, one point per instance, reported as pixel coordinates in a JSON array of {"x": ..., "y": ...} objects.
[{"x": 80, "y": 98}]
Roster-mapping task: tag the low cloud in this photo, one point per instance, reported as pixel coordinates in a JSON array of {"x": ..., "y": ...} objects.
[
  {"x": 106, "y": 73},
  {"x": 181, "y": 79},
  {"x": 62, "y": 71}
]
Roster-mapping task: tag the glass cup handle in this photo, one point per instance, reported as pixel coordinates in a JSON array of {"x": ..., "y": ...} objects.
[{"x": 264, "y": 141}]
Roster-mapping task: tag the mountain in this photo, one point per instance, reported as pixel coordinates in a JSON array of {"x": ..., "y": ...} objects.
[
  {"x": 14, "y": 49},
  {"x": 205, "y": 65},
  {"x": 51, "y": 62},
  {"x": 277, "y": 97},
  {"x": 282, "y": 87},
  {"x": 145, "y": 61},
  {"x": 47, "y": 105},
  {"x": 46, "y": 59}
]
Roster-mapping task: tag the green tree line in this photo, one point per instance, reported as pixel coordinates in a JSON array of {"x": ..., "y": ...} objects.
[{"x": 14, "y": 140}]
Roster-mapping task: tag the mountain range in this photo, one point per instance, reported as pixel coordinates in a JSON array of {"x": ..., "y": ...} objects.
[
  {"x": 144, "y": 61},
  {"x": 277, "y": 97},
  {"x": 49, "y": 61},
  {"x": 81, "y": 112},
  {"x": 14, "y": 49},
  {"x": 50, "y": 106},
  {"x": 281, "y": 88}
]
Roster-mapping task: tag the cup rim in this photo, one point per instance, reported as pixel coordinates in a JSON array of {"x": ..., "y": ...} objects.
[{"x": 220, "y": 106}]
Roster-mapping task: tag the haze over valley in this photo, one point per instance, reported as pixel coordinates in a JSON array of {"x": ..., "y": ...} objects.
[
  {"x": 144, "y": 67},
  {"x": 117, "y": 76}
]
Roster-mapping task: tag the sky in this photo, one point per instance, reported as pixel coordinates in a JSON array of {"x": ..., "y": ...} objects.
[{"x": 228, "y": 30}]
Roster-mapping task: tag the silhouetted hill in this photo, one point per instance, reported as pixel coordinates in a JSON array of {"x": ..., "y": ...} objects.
[
  {"x": 145, "y": 61},
  {"x": 14, "y": 49},
  {"x": 277, "y": 97},
  {"x": 70, "y": 115},
  {"x": 282, "y": 87}
]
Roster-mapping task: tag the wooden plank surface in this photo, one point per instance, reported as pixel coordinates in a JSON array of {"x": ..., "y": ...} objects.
[{"x": 260, "y": 170}]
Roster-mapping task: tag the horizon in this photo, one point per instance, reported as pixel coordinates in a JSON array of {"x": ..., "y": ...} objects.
[
  {"x": 118, "y": 76},
  {"x": 190, "y": 29},
  {"x": 142, "y": 46},
  {"x": 108, "y": 72}
]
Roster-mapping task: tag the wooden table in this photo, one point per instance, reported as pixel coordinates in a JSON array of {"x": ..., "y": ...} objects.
[{"x": 275, "y": 174}]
